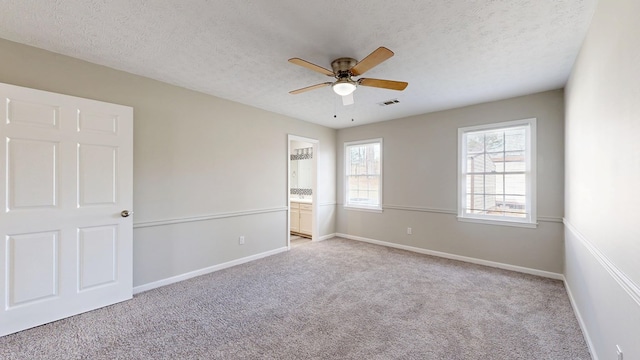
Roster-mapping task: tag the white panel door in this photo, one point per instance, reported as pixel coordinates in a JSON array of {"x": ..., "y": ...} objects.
[{"x": 67, "y": 169}]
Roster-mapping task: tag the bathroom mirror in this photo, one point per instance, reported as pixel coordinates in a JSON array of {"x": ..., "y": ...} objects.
[
  {"x": 304, "y": 174},
  {"x": 301, "y": 172}
]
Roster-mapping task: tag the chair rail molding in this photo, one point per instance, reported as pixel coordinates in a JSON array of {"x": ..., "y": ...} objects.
[
  {"x": 620, "y": 277},
  {"x": 144, "y": 224}
]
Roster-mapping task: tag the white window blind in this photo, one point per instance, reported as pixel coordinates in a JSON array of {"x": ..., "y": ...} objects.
[{"x": 363, "y": 174}]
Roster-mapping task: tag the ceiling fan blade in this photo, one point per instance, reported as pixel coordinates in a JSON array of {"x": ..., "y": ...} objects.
[
  {"x": 375, "y": 58},
  {"x": 385, "y": 84},
  {"x": 311, "y": 66},
  {"x": 308, "y": 88},
  {"x": 347, "y": 99}
]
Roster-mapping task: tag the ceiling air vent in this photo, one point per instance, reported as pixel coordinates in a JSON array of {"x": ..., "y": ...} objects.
[{"x": 389, "y": 102}]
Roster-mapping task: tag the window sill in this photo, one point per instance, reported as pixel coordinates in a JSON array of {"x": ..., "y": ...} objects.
[
  {"x": 365, "y": 209},
  {"x": 529, "y": 225}
]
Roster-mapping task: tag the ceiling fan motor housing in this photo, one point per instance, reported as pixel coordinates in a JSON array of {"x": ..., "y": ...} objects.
[{"x": 342, "y": 66}]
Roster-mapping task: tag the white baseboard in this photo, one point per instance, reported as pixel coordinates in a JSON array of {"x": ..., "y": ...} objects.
[
  {"x": 581, "y": 322},
  {"x": 210, "y": 269},
  {"x": 494, "y": 264},
  {"x": 326, "y": 237}
]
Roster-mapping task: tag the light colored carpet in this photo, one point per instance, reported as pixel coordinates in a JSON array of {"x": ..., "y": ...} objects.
[{"x": 336, "y": 299}]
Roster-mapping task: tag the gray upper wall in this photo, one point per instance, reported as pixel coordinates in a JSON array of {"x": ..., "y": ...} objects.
[
  {"x": 603, "y": 118},
  {"x": 195, "y": 155},
  {"x": 420, "y": 171}
]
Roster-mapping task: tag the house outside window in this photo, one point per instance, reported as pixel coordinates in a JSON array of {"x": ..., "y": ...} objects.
[
  {"x": 363, "y": 174},
  {"x": 496, "y": 173}
]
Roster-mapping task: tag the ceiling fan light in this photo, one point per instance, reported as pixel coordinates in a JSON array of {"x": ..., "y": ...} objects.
[{"x": 343, "y": 87}]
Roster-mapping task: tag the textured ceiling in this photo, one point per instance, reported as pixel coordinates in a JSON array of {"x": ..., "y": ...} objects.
[{"x": 452, "y": 52}]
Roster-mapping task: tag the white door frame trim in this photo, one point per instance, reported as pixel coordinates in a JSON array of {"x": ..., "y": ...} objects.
[{"x": 314, "y": 192}]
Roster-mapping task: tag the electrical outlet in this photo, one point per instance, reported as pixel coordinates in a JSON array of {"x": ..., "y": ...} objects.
[
  {"x": 241, "y": 240},
  {"x": 619, "y": 352},
  {"x": 409, "y": 231}
]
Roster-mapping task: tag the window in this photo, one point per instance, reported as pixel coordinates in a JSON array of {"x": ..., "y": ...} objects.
[
  {"x": 363, "y": 174},
  {"x": 497, "y": 173}
]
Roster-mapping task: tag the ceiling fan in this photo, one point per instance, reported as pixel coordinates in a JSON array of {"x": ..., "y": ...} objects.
[{"x": 345, "y": 68}]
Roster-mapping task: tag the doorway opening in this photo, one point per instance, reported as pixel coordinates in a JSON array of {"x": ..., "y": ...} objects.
[{"x": 302, "y": 184}]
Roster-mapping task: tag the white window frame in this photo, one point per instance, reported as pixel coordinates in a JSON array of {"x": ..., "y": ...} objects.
[
  {"x": 530, "y": 175},
  {"x": 347, "y": 162}
]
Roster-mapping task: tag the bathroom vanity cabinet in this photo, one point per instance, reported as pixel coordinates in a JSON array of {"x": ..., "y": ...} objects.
[{"x": 301, "y": 218}]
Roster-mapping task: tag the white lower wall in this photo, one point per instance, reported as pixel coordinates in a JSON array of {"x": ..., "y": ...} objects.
[
  {"x": 327, "y": 220},
  {"x": 439, "y": 230},
  {"x": 173, "y": 248},
  {"x": 608, "y": 313},
  {"x": 456, "y": 257}
]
